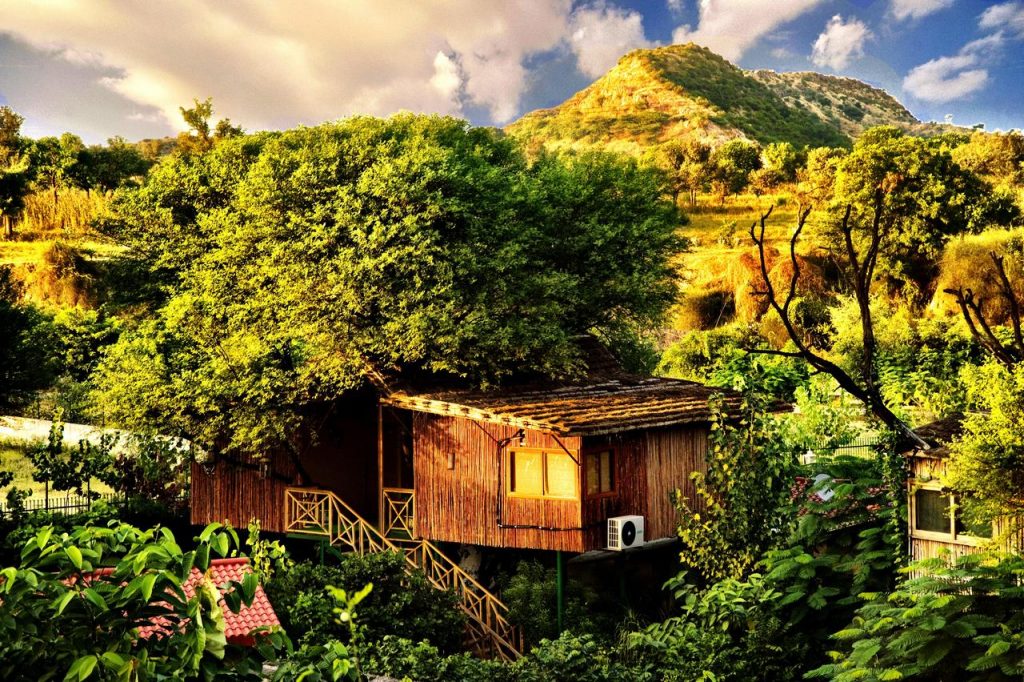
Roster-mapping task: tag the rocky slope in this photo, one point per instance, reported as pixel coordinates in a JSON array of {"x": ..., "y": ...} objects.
[{"x": 651, "y": 96}]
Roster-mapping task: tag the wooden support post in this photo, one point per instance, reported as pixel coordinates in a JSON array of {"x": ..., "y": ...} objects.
[
  {"x": 380, "y": 466},
  {"x": 560, "y": 589}
]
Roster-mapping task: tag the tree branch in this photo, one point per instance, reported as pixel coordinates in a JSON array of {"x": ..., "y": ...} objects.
[{"x": 867, "y": 392}]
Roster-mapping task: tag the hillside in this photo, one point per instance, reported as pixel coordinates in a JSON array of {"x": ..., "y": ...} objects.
[{"x": 654, "y": 95}]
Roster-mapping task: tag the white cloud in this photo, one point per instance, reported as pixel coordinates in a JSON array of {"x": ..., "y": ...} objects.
[
  {"x": 1008, "y": 15},
  {"x": 946, "y": 78},
  {"x": 731, "y": 27},
  {"x": 447, "y": 78},
  {"x": 840, "y": 43},
  {"x": 675, "y": 6},
  {"x": 915, "y": 9},
  {"x": 601, "y": 34},
  {"x": 270, "y": 64}
]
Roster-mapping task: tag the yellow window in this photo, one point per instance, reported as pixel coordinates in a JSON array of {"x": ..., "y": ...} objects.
[
  {"x": 562, "y": 475},
  {"x": 542, "y": 473},
  {"x": 526, "y": 472}
]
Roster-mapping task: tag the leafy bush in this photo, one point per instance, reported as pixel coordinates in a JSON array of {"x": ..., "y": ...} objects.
[
  {"x": 56, "y": 623},
  {"x": 580, "y": 658},
  {"x": 532, "y": 596},
  {"x": 740, "y": 507},
  {"x": 961, "y": 621},
  {"x": 401, "y": 604},
  {"x": 422, "y": 661}
]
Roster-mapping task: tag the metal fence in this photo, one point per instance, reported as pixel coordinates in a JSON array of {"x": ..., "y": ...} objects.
[
  {"x": 65, "y": 504},
  {"x": 862, "y": 446}
]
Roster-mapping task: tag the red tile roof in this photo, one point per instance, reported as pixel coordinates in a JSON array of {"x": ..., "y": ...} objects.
[{"x": 238, "y": 626}]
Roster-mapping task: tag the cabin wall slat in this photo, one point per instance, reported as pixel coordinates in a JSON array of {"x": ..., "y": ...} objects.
[
  {"x": 672, "y": 455},
  {"x": 238, "y": 492},
  {"x": 461, "y": 504}
]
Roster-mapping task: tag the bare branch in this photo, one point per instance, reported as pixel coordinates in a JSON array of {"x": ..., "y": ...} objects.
[
  {"x": 1006, "y": 289},
  {"x": 867, "y": 392}
]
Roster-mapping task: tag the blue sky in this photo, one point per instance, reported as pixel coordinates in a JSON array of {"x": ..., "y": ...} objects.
[{"x": 119, "y": 67}]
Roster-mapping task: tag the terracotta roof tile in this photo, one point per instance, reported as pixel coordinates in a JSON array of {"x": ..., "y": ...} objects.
[{"x": 238, "y": 626}]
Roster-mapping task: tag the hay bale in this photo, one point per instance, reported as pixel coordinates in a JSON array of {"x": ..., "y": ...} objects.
[{"x": 967, "y": 263}]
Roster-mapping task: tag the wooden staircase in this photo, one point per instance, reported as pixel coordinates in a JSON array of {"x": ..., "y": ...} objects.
[{"x": 322, "y": 513}]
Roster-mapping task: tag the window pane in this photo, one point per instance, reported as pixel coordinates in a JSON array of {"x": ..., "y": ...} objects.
[
  {"x": 526, "y": 475},
  {"x": 607, "y": 471},
  {"x": 562, "y": 475},
  {"x": 972, "y": 527},
  {"x": 931, "y": 511},
  {"x": 592, "y": 463}
]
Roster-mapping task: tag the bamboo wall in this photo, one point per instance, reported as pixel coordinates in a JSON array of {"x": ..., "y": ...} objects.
[
  {"x": 342, "y": 457},
  {"x": 1008, "y": 533},
  {"x": 239, "y": 491},
  {"x": 671, "y": 456},
  {"x": 461, "y": 504}
]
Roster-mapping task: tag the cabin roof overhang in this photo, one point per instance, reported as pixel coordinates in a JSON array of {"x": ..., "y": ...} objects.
[
  {"x": 937, "y": 434},
  {"x": 588, "y": 409}
]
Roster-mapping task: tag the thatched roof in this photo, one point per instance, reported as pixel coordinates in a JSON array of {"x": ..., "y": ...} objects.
[
  {"x": 608, "y": 400},
  {"x": 938, "y": 435}
]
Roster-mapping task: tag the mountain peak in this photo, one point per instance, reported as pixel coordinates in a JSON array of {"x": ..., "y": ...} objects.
[{"x": 652, "y": 95}]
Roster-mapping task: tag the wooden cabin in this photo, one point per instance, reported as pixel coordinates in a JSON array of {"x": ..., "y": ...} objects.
[
  {"x": 535, "y": 465},
  {"x": 935, "y": 524}
]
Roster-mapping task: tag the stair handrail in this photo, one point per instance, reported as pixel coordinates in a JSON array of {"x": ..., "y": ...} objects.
[{"x": 486, "y": 609}]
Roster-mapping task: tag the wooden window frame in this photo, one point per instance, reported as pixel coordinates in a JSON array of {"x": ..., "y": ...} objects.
[
  {"x": 544, "y": 452},
  {"x": 614, "y": 455},
  {"x": 952, "y": 537}
]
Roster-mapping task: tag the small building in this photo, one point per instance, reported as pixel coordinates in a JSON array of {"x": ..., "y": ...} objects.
[
  {"x": 535, "y": 465},
  {"x": 933, "y": 511}
]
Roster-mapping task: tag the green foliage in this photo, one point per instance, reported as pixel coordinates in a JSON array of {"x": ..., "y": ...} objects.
[
  {"x": 741, "y": 101},
  {"x": 986, "y": 460},
  {"x": 923, "y": 198},
  {"x": 15, "y": 167},
  {"x": 918, "y": 360},
  {"x": 772, "y": 624},
  {"x": 27, "y": 357},
  {"x": 739, "y": 510},
  {"x": 721, "y": 357},
  {"x": 402, "y": 659},
  {"x": 824, "y": 418},
  {"x": 316, "y": 258},
  {"x": 957, "y": 620},
  {"x": 731, "y": 166},
  {"x": 57, "y": 623},
  {"x": 531, "y": 596},
  {"x": 267, "y": 557},
  {"x": 570, "y": 657},
  {"x": 400, "y": 604}
]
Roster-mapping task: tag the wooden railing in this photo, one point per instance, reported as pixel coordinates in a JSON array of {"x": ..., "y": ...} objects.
[
  {"x": 398, "y": 520},
  {"x": 321, "y": 512}
]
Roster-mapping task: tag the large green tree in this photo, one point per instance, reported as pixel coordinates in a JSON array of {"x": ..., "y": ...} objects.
[
  {"x": 14, "y": 168},
  {"x": 301, "y": 265}
]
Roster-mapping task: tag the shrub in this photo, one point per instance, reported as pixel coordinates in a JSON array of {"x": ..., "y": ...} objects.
[
  {"x": 960, "y": 621},
  {"x": 580, "y": 658},
  {"x": 531, "y": 596},
  {"x": 422, "y": 661},
  {"x": 400, "y": 604}
]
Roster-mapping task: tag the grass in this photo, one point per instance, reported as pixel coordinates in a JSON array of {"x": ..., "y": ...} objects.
[
  {"x": 31, "y": 252},
  {"x": 14, "y": 458}
]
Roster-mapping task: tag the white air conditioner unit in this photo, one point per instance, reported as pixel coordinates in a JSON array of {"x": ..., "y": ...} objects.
[{"x": 625, "y": 532}]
